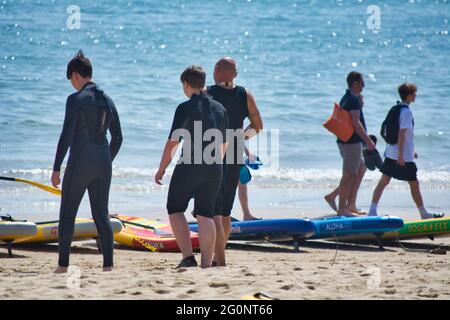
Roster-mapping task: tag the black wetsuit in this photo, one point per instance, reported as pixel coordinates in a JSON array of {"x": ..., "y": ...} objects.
[
  {"x": 195, "y": 176},
  {"x": 235, "y": 102},
  {"x": 89, "y": 115}
]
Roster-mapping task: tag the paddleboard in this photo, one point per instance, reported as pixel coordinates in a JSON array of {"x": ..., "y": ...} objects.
[
  {"x": 149, "y": 235},
  {"x": 416, "y": 229},
  {"x": 270, "y": 230},
  {"x": 335, "y": 227},
  {"x": 12, "y": 231},
  {"x": 47, "y": 232}
]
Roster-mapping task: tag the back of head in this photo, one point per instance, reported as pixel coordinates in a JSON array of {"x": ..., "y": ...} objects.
[
  {"x": 194, "y": 76},
  {"x": 225, "y": 70},
  {"x": 79, "y": 64},
  {"x": 353, "y": 77},
  {"x": 406, "y": 89}
]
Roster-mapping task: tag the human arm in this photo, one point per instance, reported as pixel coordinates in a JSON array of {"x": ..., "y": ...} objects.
[
  {"x": 169, "y": 150},
  {"x": 65, "y": 140},
  {"x": 116, "y": 132},
  {"x": 401, "y": 144},
  {"x": 359, "y": 129},
  {"x": 256, "y": 123}
]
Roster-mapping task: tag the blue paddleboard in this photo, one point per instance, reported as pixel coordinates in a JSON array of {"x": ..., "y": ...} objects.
[
  {"x": 332, "y": 227},
  {"x": 295, "y": 229}
]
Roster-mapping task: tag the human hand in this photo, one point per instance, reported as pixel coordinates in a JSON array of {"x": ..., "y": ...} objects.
[
  {"x": 370, "y": 145},
  {"x": 401, "y": 161},
  {"x": 55, "y": 179},
  {"x": 158, "y": 176}
]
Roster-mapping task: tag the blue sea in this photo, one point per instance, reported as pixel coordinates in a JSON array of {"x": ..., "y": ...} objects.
[{"x": 293, "y": 55}]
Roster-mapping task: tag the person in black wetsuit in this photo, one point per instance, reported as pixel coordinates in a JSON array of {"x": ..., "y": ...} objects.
[
  {"x": 240, "y": 104},
  {"x": 201, "y": 122},
  {"x": 90, "y": 113}
]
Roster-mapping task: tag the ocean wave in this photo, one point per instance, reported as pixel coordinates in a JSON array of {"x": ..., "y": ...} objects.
[{"x": 141, "y": 179}]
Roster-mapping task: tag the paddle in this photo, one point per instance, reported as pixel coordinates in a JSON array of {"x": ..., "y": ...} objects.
[
  {"x": 36, "y": 184},
  {"x": 57, "y": 192}
]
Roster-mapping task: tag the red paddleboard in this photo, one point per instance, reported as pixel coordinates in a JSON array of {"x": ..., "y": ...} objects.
[{"x": 149, "y": 235}]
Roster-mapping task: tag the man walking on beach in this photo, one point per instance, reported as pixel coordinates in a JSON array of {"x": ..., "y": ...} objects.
[
  {"x": 90, "y": 113},
  {"x": 399, "y": 162},
  {"x": 240, "y": 104},
  {"x": 353, "y": 168},
  {"x": 198, "y": 174}
]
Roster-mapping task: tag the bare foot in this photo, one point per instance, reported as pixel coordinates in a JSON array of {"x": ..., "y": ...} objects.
[
  {"x": 250, "y": 217},
  {"x": 108, "y": 269},
  {"x": 331, "y": 201},
  {"x": 348, "y": 214},
  {"x": 357, "y": 211},
  {"x": 60, "y": 269}
]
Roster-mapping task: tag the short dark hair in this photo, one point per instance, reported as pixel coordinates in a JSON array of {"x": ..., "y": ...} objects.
[
  {"x": 405, "y": 89},
  {"x": 79, "y": 64},
  {"x": 352, "y": 77},
  {"x": 194, "y": 76}
]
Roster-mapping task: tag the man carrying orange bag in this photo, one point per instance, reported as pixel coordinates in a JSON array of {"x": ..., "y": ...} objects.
[{"x": 353, "y": 168}]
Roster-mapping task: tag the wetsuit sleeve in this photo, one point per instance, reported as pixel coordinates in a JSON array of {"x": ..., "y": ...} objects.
[
  {"x": 177, "y": 123},
  {"x": 115, "y": 130},
  {"x": 67, "y": 133}
]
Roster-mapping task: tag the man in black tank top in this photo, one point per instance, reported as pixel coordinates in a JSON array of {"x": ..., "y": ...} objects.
[
  {"x": 240, "y": 104},
  {"x": 90, "y": 113}
]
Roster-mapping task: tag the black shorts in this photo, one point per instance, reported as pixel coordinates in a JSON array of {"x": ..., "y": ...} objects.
[
  {"x": 405, "y": 173},
  {"x": 225, "y": 198},
  {"x": 201, "y": 182}
]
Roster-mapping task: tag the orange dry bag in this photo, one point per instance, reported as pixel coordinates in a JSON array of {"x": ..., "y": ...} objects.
[{"x": 340, "y": 123}]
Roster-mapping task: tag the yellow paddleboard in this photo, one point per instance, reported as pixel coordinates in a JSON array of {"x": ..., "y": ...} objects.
[
  {"x": 11, "y": 231},
  {"x": 47, "y": 232}
]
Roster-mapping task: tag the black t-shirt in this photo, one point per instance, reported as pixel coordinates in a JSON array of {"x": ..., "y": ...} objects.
[
  {"x": 351, "y": 102},
  {"x": 197, "y": 116}
]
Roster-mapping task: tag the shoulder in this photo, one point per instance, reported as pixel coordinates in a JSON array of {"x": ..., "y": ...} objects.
[
  {"x": 244, "y": 90},
  {"x": 354, "y": 101},
  {"x": 406, "y": 113},
  {"x": 182, "y": 107},
  {"x": 211, "y": 88}
]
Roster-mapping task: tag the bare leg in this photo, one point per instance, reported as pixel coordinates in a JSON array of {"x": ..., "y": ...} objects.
[
  {"x": 415, "y": 192},
  {"x": 378, "y": 191},
  {"x": 354, "y": 191},
  {"x": 345, "y": 187},
  {"x": 207, "y": 237},
  {"x": 182, "y": 233},
  {"x": 219, "y": 251},
  {"x": 331, "y": 198},
  {"x": 226, "y": 222},
  {"x": 243, "y": 199}
]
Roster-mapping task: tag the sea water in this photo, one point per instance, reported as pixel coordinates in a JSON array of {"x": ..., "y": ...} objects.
[{"x": 293, "y": 55}]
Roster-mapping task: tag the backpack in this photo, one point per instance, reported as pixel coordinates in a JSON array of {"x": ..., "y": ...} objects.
[{"x": 391, "y": 125}]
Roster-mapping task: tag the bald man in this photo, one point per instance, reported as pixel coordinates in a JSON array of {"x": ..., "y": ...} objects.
[{"x": 240, "y": 104}]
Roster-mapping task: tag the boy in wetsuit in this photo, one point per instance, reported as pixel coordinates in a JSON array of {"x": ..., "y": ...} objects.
[
  {"x": 198, "y": 174},
  {"x": 90, "y": 113}
]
